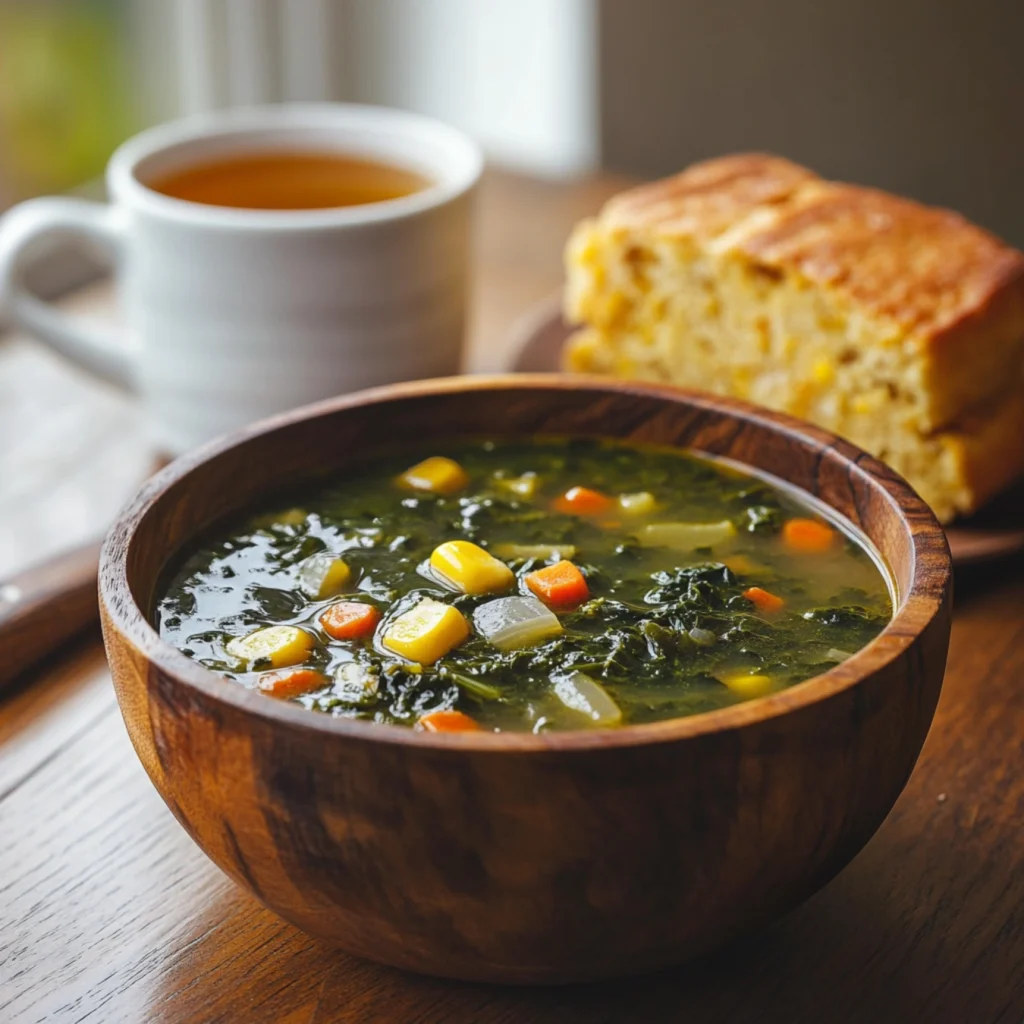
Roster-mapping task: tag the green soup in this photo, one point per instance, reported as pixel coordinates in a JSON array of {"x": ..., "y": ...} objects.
[{"x": 590, "y": 584}]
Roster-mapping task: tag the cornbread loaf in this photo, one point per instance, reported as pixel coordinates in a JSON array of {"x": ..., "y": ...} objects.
[{"x": 898, "y": 326}]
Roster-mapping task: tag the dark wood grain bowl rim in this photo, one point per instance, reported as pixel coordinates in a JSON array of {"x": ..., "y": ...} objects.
[{"x": 931, "y": 578}]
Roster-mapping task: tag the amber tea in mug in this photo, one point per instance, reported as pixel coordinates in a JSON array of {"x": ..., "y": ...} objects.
[
  {"x": 284, "y": 280},
  {"x": 284, "y": 180}
]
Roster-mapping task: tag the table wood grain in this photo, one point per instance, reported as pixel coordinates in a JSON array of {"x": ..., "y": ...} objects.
[{"x": 109, "y": 913}]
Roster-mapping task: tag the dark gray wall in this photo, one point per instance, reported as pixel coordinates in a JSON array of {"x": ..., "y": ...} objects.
[{"x": 921, "y": 97}]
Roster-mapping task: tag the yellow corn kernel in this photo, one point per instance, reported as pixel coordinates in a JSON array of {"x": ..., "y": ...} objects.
[
  {"x": 427, "y": 632},
  {"x": 749, "y": 685},
  {"x": 822, "y": 371},
  {"x": 471, "y": 569},
  {"x": 323, "y": 575},
  {"x": 436, "y": 474},
  {"x": 741, "y": 380},
  {"x": 281, "y": 646},
  {"x": 524, "y": 486},
  {"x": 640, "y": 504},
  {"x": 287, "y": 517}
]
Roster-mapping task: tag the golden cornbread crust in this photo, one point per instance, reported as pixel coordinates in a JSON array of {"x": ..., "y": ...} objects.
[
  {"x": 926, "y": 269},
  {"x": 708, "y": 197},
  {"x": 895, "y": 324}
]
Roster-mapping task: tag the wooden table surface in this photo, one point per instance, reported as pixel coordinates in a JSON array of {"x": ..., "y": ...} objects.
[{"x": 109, "y": 913}]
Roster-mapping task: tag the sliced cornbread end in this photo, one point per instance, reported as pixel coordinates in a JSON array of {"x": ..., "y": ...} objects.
[{"x": 896, "y": 325}]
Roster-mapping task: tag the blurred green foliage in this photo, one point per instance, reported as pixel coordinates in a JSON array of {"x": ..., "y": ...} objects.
[{"x": 66, "y": 98}]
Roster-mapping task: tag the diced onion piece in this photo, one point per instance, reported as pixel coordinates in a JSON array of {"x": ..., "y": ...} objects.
[
  {"x": 524, "y": 486},
  {"x": 547, "y": 552},
  {"x": 355, "y": 683},
  {"x": 835, "y": 654},
  {"x": 323, "y": 575},
  {"x": 640, "y": 504},
  {"x": 579, "y": 692},
  {"x": 467, "y": 567},
  {"x": 436, "y": 475},
  {"x": 513, "y": 622},
  {"x": 704, "y": 637},
  {"x": 426, "y": 632},
  {"x": 686, "y": 536},
  {"x": 749, "y": 684},
  {"x": 281, "y": 646}
]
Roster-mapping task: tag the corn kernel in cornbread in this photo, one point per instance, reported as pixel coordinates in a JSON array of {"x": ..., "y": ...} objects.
[{"x": 896, "y": 325}]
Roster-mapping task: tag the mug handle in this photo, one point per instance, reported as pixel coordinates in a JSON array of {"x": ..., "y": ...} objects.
[{"x": 104, "y": 352}]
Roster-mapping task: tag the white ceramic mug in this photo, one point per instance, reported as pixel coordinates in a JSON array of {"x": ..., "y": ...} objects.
[{"x": 234, "y": 314}]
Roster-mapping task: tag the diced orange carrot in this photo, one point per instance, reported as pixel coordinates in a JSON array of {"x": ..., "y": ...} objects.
[
  {"x": 350, "y": 620},
  {"x": 447, "y": 721},
  {"x": 764, "y": 600},
  {"x": 561, "y": 585},
  {"x": 808, "y": 536},
  {"x": 291, "y": 682},
  {"x": 582, "y": 501}
]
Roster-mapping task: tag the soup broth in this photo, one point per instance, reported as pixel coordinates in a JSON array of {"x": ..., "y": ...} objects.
[
  {"x": 527, "y": 586},
  {"x": 290, "y": 181}
]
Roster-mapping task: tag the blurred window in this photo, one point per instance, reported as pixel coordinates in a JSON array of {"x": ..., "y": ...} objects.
[{"x": 65, "y": 93}]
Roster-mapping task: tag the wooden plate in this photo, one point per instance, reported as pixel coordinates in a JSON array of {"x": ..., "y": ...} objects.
[{"x": 995, "y": 532}]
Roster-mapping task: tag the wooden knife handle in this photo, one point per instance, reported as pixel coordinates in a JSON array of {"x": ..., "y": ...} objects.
[{"x": 44, "y": 606}]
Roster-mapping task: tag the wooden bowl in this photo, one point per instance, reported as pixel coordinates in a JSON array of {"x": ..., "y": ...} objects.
[{"x": 513, "y": 857}]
